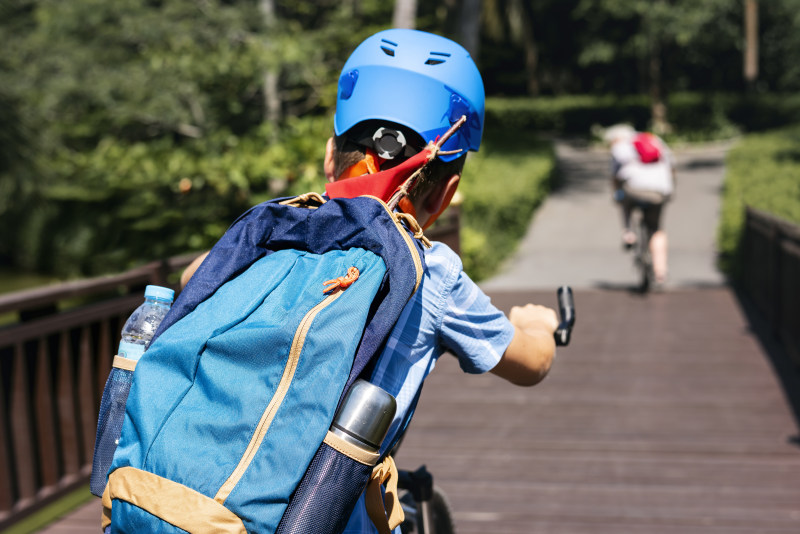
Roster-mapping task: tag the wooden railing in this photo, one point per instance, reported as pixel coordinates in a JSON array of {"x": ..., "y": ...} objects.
[
  {"x": 771, "y": 274},
  {"x": 55, "y": 356}
]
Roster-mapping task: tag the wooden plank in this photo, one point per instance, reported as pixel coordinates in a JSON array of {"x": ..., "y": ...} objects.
[
  {"x": 47, "y": 295},
  {"x": 71, "y": 319}
]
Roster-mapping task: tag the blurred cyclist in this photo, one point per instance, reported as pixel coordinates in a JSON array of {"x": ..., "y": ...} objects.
[{"x": 643, "y": 175}]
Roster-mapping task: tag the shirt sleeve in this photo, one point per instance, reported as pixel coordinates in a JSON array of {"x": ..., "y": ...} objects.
[{"x": 473, "y": 328}]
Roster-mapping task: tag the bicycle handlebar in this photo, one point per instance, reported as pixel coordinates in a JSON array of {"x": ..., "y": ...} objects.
[{"x": 566, "y": 309}]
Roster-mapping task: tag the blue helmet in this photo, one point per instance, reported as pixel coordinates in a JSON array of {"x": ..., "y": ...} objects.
[{"x": 416, "y": 79}]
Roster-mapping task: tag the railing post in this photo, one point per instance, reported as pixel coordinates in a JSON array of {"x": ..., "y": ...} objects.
[
  {"x": 45, "y": 416},
  {"x": 21, "y": 428},
  {"x": 87, "y": 409},
  {"x": 67, "y": 414},
  {"x": 790, "y": 308},
  {"x": 6, "y": 462},
  {"x": 775, "y": 279}
]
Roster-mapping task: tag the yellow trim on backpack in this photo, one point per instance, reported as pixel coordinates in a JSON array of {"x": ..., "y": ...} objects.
[
  {"x": 351, "y": 451},
  {"x": 383, "y": 507},
  {"x": 105, "y": 518},
  {"x": 407, "y": 239},
  {"x": 170, "y": 501},
  {"x": 121, "y": 362},
  {"x": 277, "y": 399}
]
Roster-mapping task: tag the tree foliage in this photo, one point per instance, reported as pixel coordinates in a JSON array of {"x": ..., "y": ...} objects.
[
  {"x": 137, "y": 129},
  {"x": 145, "y": 121}
]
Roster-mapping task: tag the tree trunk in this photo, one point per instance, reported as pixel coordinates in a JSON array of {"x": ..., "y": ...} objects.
[
  {"x": 531, "y": 48},
  {"x": 751, "y": 42},
  {"x": 469, "y": 26},
  {"x": 405, "y": 14},
  {"x": 272, "y": 101},
  {"x": 658, "y": 107}
]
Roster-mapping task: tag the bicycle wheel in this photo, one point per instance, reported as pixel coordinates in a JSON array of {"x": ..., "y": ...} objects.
[{"x": 441, "y": 515}]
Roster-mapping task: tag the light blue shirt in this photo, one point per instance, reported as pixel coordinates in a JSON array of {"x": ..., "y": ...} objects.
[{"x": 448, "y": 313}]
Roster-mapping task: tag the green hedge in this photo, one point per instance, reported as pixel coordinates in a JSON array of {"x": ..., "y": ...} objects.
[
  {"x": 692, "y": 115},
  {"x": 569, "y": 115},
  {"x": 762, "y": 171},
  {"x": 502, "y": 185}
]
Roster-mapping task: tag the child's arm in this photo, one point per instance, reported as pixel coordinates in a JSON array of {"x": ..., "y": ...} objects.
[
  {"x": 189, "y": 271},
  {"x": 528, "y": 357}
]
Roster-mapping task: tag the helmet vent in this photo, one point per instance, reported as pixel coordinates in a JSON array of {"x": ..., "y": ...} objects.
[
  {"x": 388, "y": 47},
  {"x": 437, "y": 58}
]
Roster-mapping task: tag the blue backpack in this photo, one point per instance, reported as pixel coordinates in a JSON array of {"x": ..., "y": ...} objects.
[{"x": 226, "y": 424}]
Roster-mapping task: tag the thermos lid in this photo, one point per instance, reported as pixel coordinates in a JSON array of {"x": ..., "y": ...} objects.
[{"x": 366, "y": 413}]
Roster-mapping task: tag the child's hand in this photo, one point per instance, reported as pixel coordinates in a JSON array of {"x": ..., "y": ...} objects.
[
  {"x": 533, "y": 317},
  {"x": 528, "y": 357}
]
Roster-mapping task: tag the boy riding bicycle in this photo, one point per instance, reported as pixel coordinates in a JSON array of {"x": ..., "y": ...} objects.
[
  {"x": 398, "y": 91},
  {"x": 409, "y": 88}
]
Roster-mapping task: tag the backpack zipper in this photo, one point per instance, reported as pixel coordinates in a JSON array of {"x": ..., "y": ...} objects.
[{"x": 275, "y": 403}]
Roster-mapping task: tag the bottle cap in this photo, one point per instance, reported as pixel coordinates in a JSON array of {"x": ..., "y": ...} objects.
[
  {"x": 366, "y": 414},
  {"x": 159, "y": 293}
]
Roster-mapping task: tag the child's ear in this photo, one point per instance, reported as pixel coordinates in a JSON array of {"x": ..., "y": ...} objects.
[
  {"x": 328, "y": 165},
  {"x": 440, "y": 195}
]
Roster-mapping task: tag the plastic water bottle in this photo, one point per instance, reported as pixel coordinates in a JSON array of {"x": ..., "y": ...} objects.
[
  {"x": 136, "y": 336},
  {"x": 143, "y": 322}
]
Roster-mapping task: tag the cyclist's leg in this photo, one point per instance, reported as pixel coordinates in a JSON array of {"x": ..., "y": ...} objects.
[
  {"x": 658, "y": 241},
  {"x": 628, "y": 236}
]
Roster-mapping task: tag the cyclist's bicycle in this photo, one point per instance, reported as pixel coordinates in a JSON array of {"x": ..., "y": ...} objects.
[
  {"x": 642, "y": 258},
  {"x": 425, "y": 506}
]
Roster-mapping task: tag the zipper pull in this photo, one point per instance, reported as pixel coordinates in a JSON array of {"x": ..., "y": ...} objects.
[{"x": 342, "y": 282}]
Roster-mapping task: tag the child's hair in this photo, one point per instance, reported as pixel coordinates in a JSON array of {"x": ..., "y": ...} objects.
[{"x": 347, "y": 153}]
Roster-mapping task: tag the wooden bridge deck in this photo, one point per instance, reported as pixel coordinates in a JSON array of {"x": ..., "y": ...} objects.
[{"x": 665, "y": 415}]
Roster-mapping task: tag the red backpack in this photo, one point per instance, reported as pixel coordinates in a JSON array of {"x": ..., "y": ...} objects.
[{"x": 647, "y": 147}]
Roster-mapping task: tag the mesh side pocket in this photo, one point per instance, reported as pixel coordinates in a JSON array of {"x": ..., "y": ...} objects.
[
  {"x": 327, "y": 494},
  {"x": 109, "y": 426}
]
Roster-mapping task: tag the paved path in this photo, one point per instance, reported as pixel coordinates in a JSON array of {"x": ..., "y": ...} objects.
[
  {"x": 666, "y": 415},
  {"x": 575, "y": 235}
]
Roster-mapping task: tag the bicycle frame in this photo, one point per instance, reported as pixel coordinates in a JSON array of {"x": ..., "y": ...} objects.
[{"x": 642, "y": 257}]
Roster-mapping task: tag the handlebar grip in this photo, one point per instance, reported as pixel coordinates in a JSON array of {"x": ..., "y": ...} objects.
[{"x": 566, "y": 308}]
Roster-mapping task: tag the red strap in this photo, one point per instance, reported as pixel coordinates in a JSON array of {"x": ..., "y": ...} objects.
[{"x": 381, "y": 184}]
